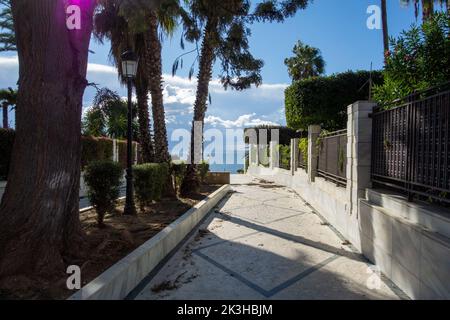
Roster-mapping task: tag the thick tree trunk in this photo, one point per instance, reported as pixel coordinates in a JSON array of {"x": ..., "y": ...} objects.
[
  {"x": 385, "y": 27},
  {"x": 191, "y": 181},
  {"x": 145, "y": 137},
  {"x": 40, "y": 228},
  {"x": 154, "y": 69},
  {"x": 5, "y": 115}
]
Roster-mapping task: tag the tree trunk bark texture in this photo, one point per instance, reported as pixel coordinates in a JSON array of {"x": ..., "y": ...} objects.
[
  {"x": 154, "y": 67},
  {"x": 145, "y": 137},
  {"x": 5, "y": 115},
  {"x": 191, "y": 180},
  {"x": 385, "y": 26},
  {"x": 40, "y": 230}
]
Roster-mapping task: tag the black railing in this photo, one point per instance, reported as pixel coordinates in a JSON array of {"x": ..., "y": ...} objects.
[
  {"x": 332, "y": 164},
  {"x": 411, "y": 146}
]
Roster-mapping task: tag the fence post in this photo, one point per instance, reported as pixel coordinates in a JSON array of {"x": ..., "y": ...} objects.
[
  {"x": 251, "y": 159},
  {"x": 313, "y": 153},
  {"x": 274, "y": 155},
  {"x": 294, "y": 155},
  {"x": 359, "y": 151}
]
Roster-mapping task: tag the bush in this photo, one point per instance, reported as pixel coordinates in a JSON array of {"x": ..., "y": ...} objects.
[
  {"x": 324, "y": 100},
  {"x": 103, "y": 179},
  {"x": 285, "y": 134},
  {"x": 417, "y": 60},
  {"x": 285, "y": 157},
  {"x": 95, "y": 149},
  {"x": 303, "y": 147},
  {"x": 149, "y": 182},
  {"x": 6, "y": 144},
  {"x": 178, "y": 172},
  {"x": 203, "y": 169}
]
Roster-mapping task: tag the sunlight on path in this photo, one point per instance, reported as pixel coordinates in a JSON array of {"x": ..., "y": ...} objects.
[{"x": 264, "y": 242}]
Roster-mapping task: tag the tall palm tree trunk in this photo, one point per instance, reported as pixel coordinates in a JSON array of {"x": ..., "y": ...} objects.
[
  {"x": 5, "y": 115},
  {"x": 145, "y": 137},
  {"x": 427, "y": 9},
  {"x": 191, "y": 180},
  {"x": 385, "y": 27},
  {"x": 40, "y": 229},
  {"x": 154, "y": 69}
]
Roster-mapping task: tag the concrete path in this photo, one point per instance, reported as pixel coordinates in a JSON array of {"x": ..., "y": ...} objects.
[{"x": 264, "y": 242}]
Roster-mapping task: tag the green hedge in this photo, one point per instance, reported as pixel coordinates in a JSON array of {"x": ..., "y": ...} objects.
[
  {"x": 324, "y": 100},
  {"x": 92, "y": 149},
  {"x": 103, "y": 179},
  {"x": 6, "y": 143},
  {"x": 149, "y": 182},
  {"x": 203, "y": 169},
  {"x": 95, "y": 149},
  {"x": 178, "y": 172}
]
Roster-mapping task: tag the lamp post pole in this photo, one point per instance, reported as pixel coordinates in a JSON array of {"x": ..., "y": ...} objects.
[{"x": 128, "y": 59}]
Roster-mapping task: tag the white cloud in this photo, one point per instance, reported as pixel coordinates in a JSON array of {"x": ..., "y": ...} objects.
[
  {"x": 249, "y": 107},
  {"x": 246, "y": 120}
]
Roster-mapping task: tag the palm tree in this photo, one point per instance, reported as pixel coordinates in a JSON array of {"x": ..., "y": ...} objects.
[
  {"x": 110, "y": 24},
  {"x": 40, "y": 230},
  {"x": 427, "y": 7},
  {"x": 221, "y": 27},
  {"x": 8, "y": 98},
  {"x": 307, "y": 62}
]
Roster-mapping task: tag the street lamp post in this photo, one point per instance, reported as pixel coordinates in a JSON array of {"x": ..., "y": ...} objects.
[{"x": 129, "y": 69}]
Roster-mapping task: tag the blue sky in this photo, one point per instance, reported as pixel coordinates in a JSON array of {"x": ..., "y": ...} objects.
[{"x": 337, "y": 28}]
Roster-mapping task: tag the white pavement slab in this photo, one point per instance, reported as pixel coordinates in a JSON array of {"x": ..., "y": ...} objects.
[{"x": 264, "y": 242}]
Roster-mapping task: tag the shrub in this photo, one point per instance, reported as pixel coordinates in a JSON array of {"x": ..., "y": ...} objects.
[
  {"x": 122, "y": 145},
  {"x": 324, "y": 100},
  {"x": 203, "y": 169},
  {"x": 417, "y": 60},
  {"x": 103, "y": 179},
  {"x": 303, "y": 147},
  {"x": 285, "y": 157},
  {"x": 149, "y": 182},
  {"x": 178, "y": 173},
  {"x": 95, "y": 149},
  {"x": 6, "y": 144}
]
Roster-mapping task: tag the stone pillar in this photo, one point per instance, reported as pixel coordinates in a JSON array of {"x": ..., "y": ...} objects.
[
  {"x": 274, "y": 155},
  {"x": 313, "y": 153},
  {"x": 250, "y": 154},
  {"x": 294, "y": 155},
  {"x": 257, "y": 155},
  {"x": 359, "y": 152}
]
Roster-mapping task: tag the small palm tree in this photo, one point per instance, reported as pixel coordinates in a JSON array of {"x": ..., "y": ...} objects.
[
  {"x": 306, "y": 63},
  {"x": 8, "y": 98}
]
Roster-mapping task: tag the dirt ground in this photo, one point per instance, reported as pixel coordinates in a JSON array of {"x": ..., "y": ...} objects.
[{"x": 106, "y": 246}]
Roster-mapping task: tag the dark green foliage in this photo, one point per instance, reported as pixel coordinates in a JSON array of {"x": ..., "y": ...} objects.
[
  {"x": 6, "y": 144},
  {"x": 95, "y": 149},
  {"x": 149, "y": 182},
  {"x": 418, "y": 59},
  {"x": 307, "y": 62},
  {"x": 92, "y": 149},
  {"x": 324, "y": 100},
  {"x": 303, "y": 147},
  {"x": 203, "y": 169},
  {"x": 122, "y": 145},
  {"x": 103, "y": 179},
  {"x": 109, "y": 116},
  {"x": 178, "y": 173},
  {"x": 285, "y": 156}
]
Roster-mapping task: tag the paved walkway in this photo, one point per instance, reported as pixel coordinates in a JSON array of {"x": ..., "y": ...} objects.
[{"x": 264, "y": 242}]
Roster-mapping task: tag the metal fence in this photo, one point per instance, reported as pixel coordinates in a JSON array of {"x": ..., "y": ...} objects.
[
  {"x": 411, "y": 145},
  {"x": 332, "y": 164}
]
